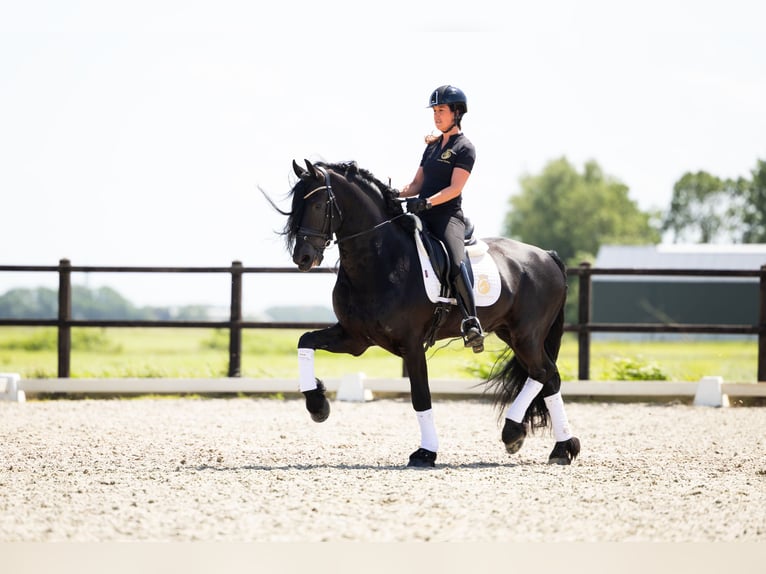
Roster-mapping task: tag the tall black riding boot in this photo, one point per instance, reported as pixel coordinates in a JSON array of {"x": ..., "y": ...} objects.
[{"x": 470, "y": 327}]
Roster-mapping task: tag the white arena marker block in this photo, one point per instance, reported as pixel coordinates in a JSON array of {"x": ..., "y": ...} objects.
[
  {"x": 709, "y": 393},
  {"x": 9, "y": 388},
  {"x": 351, "y": 389}
]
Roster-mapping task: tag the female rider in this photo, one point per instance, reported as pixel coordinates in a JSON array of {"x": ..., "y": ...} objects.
[{"x": 435, "y": 195}]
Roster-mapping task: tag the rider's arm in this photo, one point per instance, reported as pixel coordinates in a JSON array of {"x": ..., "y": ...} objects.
[
  {"x": 412, "y": 189},
  {"x": 455, "y": 188}
]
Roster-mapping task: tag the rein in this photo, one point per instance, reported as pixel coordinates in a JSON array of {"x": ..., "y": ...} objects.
[{"x": 371, "y": 229}]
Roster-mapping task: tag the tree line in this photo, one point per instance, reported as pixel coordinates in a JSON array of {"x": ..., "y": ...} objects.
[
  {"x": 576, "y": 212},
  {"x": 90, "y": 304},
  {"x": 105, "y": 303}
]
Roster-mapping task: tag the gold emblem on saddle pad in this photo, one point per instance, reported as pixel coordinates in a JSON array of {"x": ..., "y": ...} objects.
[{"x": 482, "y": 284}]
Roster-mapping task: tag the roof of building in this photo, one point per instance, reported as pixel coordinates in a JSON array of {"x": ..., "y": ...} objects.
[{"x": 678, "y": 256}]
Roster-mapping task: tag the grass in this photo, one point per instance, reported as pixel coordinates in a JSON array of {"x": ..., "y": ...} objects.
[{"x": 270, "y": 353}]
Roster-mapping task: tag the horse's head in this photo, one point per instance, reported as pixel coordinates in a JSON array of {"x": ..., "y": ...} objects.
[
  {"x": 314, "y": 218},
  {"x": 320, "y": 197}
]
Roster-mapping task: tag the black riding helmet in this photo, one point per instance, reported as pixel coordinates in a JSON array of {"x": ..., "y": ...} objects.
[{"x": 451, "y": 96}]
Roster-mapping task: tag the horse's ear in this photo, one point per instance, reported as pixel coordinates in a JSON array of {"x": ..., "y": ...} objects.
[
  {"x": 311, "y": 168},
  {"x": 299, "y": 171}
]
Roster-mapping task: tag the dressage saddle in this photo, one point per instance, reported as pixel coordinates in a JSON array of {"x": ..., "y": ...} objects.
[{"x": 437, "y": 253}]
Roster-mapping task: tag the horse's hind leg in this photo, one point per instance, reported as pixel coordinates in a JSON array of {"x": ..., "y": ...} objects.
[
  {"x": 514, "y": 430},
  {"x": 567, "y": 445}
]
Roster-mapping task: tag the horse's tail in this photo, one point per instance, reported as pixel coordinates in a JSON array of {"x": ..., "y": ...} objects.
[{"x": 508, "y": 376}]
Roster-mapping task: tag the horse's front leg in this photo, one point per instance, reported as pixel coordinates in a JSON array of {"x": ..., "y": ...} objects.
[
  {"x": 334, "y": 339},
  {"x": 420, "y": 393}
]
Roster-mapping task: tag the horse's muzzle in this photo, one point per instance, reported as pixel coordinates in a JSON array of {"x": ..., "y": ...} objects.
[{"x": 306, "y": 256}]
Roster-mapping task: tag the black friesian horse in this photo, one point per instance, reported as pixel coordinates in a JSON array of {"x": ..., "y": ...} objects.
[{"x": 379, "y": 299}]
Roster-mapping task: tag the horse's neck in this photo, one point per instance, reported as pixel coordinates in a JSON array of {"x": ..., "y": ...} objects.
[
  {"x": 364, "y": 256},
  {"x": 361, "y": 214}
]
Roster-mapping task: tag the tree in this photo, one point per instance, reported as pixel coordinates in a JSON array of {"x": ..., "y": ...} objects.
[
  {"x": 703, "y": 209},
  {"x": 39, "y": 303},
  {"x": 89, "y": 304},
  {"x": 754, "y": 210},
  {"x": 706, "y": 209},
  {"x": 575, "y": 213}
]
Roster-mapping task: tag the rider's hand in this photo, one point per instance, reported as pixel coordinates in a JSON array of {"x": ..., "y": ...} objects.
[{"x": 416, "y": 205}]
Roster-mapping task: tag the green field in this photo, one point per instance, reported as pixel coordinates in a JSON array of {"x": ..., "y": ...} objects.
[{"x": 271, "y": 353}]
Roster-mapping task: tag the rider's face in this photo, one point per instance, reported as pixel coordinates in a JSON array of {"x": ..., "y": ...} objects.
[{"x": 443, "y": 116}]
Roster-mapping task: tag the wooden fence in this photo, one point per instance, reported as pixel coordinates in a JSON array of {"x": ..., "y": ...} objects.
[{"x": 235, "y": 324}]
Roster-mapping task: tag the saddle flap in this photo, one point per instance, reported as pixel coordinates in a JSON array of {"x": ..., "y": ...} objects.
[{"x": 486, "y": 277}]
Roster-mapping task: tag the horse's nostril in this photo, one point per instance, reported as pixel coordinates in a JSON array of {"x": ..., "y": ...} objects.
[{"x": 302, "y": 260}]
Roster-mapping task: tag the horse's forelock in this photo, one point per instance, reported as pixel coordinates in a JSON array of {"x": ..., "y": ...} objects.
[{"x": 290, "y": 231}]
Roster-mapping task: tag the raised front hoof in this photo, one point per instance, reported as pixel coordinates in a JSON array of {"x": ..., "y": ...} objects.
[
  {"x": 565, "y": 451},
  {"x": 513, "y": 436},
  {"x": 422, "y": 458},
  {"x": 323, "y": 414},
  {"x": 317, "y": 404}
]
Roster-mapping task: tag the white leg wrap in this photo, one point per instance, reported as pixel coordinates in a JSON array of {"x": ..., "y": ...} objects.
[
  {"x": 521, "y": 403},
  {"x": 559, "y": 421},
  {"x": 428, "y": 438},
  {"x": 306, "y": 378}
]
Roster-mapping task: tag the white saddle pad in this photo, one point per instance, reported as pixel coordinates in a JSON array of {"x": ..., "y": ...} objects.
[{"x": 486, "y": 277}]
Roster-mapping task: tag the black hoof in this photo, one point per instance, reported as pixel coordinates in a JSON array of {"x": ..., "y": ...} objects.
[
  {"x": 513, "y": 436},
  {"x": 317, "y": 404},
  {"x": 565, "y": 451},
  {"x": 422, "y": 458}
]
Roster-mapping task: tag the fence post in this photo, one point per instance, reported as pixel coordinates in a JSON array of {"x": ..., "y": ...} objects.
[
  {"x": 583, "y": 318},
  {"x": 762, "y": 326},
  {"x": 235, "y": 328},
  {"x": 65, "y": 315}
]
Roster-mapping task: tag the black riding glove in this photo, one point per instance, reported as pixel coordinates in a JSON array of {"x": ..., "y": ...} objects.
[{"x": 416, "y": 205}]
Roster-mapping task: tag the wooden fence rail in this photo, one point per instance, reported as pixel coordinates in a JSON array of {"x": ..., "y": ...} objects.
[{"x": 235, "y": 324}]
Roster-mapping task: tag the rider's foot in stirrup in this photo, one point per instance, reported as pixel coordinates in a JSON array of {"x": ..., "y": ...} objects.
[{"x": 472, "y": 334}]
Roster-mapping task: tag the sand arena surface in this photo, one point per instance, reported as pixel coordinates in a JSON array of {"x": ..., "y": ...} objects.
[{"x": 258, "y": 469}]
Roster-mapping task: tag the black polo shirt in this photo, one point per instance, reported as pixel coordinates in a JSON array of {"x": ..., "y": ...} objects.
[{"x": 438, "y": 163}]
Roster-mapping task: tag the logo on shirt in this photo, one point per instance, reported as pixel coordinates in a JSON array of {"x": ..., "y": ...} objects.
[{"x": 447, "y": 154}]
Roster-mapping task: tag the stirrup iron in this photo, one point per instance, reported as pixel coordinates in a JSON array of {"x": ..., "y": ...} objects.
[{"x": 472, "y": 334}]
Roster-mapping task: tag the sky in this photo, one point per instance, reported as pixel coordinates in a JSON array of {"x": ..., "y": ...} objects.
[{"x": 139, "y": 133}]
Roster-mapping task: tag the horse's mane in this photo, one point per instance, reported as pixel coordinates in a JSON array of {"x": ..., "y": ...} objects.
[{"x": 363, "y": 178}]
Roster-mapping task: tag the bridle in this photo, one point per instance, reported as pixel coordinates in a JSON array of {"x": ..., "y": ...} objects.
[
  {"x": 331, "y": 206},
  {"x": 325, "y": 234}
]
